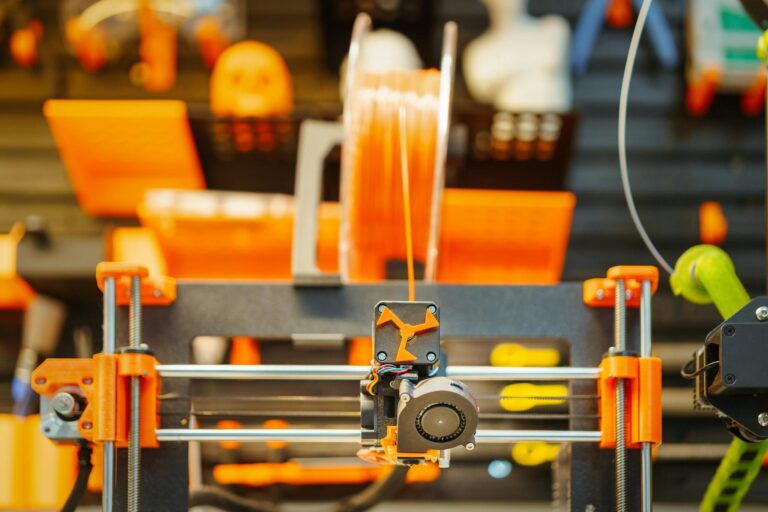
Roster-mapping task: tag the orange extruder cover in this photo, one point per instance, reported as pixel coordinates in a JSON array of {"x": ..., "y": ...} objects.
[{"x": 115, "y": 150}]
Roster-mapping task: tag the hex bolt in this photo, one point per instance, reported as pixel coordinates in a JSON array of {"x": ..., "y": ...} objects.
[
  {"x": 381, "y": 356},
  {"x": 762, "y": 313},
  {"x": 762, "y": 419},
  {"x": 431, "y": 356}
]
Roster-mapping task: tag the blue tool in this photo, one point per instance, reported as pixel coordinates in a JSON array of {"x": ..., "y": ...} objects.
[{"x": 592, "y": 20}]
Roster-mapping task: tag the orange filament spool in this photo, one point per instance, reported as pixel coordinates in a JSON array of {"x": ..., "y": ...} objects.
[
  {"x": 395, "y": 145},
  {"x": 374, "y": 207}
]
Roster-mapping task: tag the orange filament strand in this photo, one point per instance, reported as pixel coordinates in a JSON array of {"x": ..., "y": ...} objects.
[{"x": 406, "y": 204}]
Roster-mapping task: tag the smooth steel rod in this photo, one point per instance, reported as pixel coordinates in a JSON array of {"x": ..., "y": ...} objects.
[
  {"x": 343, "y": 372},
  {"x": 521, "y": 373},
  {"x": 110, "y": 343},
  {"x": 646, "y": 460},
  {"x": 544, "y": 436},
  {"x": 296, "y": 435},
  {"x": 353, "y": 435}
]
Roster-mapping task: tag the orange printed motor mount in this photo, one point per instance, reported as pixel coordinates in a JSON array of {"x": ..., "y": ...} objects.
[{"x": 104, "y": 382}]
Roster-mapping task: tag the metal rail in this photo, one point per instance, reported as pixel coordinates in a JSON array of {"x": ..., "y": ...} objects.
[
  {"x": 544, "y": 436},
  {"x": 353, "y": 435},
  {"x": 296, "y": 435},
  {"x": 110, "y": 344},
  {"x": 646, "y": 460},
  {"x": 343, "y": 372}
]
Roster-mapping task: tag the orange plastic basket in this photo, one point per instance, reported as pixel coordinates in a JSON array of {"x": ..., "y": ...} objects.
[
  {"x": 115, "y": 150},
  {"x": 228, "y": 235},
  {"x": 504, "y": 237}
]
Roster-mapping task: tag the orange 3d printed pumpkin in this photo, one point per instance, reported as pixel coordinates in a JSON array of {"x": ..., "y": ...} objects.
[{"x": 251, "y": 79}]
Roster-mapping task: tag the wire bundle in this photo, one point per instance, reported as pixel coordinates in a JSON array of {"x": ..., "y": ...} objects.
[
  {"x": 380, "y": 107},
  {"x": 377, "y": 371}
]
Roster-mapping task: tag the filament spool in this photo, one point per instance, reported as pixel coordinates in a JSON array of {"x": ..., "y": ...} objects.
[{"x": 372, "y": 187}]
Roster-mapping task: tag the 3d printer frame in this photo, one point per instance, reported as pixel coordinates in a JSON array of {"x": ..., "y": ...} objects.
[{"x": 584, "y": 472}]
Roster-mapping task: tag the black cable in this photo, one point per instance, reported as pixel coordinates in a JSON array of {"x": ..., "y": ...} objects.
[
  {"x": 687, "y": 373},
  {"x": 382, "y": 489},
  {"x": 223, "y": 499},
  {"x": 83, "y": 474}
]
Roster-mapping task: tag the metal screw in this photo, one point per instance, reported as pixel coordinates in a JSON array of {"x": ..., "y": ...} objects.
[
  {"x": 381, "y": 356},
  {"x": 469, "y": 446},
  {"x": 381, "y": 308},
  {"x": 431, "y": 308},
  {"x": 600, "y": 294},
  {"x": 87, "y": 381},
  {"x": 762, "y": 419},
  {"x": 762, "y": 313},
  {"x": 629, "y": 294},
  {"x": 729, "y": 330},
  {"x": 87, "y": 425},
  {"x": 730, "y": 378},
  {"x": 40, "y": 381},
  {"x": 431, "y": 356},
  {"x": 405, "y": 397},
  {"x": 157, "y": 293}
]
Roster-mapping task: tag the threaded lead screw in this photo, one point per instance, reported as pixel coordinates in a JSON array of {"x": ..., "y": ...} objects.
[
  {"x": 134, "y": 442},
  {"x": 621, "y": 451},
  {"x": 620, "y": 340}
]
